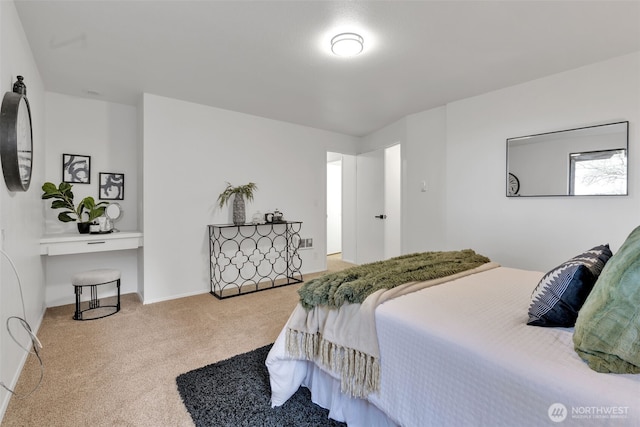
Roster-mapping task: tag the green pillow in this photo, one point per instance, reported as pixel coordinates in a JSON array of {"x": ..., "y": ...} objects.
[{"x": 607, "y": 331}]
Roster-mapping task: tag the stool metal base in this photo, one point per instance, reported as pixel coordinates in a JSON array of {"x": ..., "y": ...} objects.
[{"x": 94, "y": 302}]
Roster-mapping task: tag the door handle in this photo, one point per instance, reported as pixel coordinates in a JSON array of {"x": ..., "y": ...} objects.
[{"x": 382, "y": 216}]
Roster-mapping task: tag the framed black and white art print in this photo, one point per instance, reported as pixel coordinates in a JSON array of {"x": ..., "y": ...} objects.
[
  {"x": 76, "y": 169},
  {"x": 111, "y": 186}
]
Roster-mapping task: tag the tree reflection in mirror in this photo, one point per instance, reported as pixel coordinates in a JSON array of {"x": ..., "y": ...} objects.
[{"x": 598, "y": 172}]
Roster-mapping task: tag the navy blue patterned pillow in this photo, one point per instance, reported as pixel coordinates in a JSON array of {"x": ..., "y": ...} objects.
[{"x": 562, "y": 291}]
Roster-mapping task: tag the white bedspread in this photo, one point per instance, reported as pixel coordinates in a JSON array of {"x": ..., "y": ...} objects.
[{"x": 461, "y": 354}]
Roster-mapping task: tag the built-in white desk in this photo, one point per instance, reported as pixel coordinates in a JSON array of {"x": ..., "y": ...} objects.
[
  {"x": 87, "y": 252},
  {"x": 75, "y": 243}
]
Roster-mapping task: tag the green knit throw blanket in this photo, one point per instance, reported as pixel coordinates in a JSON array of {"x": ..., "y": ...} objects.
[{"x": 354, "y": 284}]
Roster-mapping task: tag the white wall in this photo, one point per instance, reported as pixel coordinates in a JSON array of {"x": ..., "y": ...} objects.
[
  {"x": 20, "y": 212},
  {"x": 538, "y": 233},
  {"x": 103, "y": 130},
  {"x": 395, "y": 133},
  {"x": 424, "y": 159},
  {"x": 107, "y": 132},
  {"x": 190, "y": 150},
  {"x": 140, "y": 189},
  {"x": 459, "y": 150}
]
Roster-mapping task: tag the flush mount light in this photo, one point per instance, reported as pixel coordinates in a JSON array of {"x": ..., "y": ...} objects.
[{"x": 347, "y": 44}]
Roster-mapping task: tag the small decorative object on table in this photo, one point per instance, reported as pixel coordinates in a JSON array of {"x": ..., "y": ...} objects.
[
  {"x": 274, "y": 217},
  {"x": 113, "y": 212},
  {"x": 64, "y": 200},
  {"x": 257, "y": 218},
  {"x": 278, "y": 216},
  {"x": 240, "y": 192}
]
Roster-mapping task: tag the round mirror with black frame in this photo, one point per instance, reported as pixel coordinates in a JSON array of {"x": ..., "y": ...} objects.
[{"x": 16, "y": 140}]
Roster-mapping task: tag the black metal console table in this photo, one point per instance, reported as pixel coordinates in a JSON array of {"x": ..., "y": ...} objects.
[{"x": 253, "y": 257}]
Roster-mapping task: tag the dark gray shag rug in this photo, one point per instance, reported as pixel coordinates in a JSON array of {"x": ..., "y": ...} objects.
[{"x": 236, "y": 392}]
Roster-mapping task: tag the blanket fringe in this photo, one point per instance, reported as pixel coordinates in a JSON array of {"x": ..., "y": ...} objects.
[{"x": 359, "y": 372}]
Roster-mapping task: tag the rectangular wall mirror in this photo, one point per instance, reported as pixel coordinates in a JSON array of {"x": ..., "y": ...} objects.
[{"x": 585, "y": 161}]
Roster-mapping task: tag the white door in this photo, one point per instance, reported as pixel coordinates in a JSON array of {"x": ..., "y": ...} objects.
[
  {"x": 370, "y": 206},
  {"x": 379, "y": 204}
]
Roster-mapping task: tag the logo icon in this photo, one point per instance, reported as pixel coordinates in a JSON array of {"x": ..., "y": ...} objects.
[{"x": 557, "y": 412}]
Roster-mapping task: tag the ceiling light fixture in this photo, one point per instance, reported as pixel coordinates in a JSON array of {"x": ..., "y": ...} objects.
[{"x": 347, "y": 44}]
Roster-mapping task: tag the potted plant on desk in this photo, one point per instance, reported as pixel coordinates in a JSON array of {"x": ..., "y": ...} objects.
[
  {"x": 240, "y": 192},
  {"x": 64, "y": 200}
]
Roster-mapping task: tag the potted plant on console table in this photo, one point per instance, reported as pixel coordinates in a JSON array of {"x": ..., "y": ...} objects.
[
  {"x": 64, "y": 200},
  {"x": 240, "y": 192}
]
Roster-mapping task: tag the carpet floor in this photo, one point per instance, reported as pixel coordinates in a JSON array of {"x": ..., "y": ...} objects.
[
  {"x": 121, "y": 370},
  {"x": 236, "y": 392}
]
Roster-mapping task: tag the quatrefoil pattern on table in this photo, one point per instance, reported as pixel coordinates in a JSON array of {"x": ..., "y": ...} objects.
[{"x": 249, "y": 258}]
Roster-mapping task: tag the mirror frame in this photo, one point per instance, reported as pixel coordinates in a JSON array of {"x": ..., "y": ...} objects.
[{"x": 512, "y": 181}]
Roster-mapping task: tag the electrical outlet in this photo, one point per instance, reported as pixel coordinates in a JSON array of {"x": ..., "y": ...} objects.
[{"x": 305, "y": 243}]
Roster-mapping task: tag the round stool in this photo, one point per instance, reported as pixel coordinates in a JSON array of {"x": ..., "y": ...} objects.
[{"x": 93, "y": 279}]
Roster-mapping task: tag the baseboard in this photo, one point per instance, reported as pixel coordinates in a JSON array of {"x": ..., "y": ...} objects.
[
  {"x": 172, "y": 297},
  {"x": 313, "y": 272}
]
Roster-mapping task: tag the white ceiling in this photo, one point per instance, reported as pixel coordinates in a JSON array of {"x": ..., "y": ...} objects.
[{"x": 272, "y": 58}]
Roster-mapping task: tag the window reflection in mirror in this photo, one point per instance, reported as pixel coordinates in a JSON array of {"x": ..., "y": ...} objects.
[
  {"x": 598, "y": 172},
  {"x": 576, "y": 162}
]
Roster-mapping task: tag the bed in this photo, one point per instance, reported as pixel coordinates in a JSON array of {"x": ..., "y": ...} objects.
[{"x": 461, "y": 354}]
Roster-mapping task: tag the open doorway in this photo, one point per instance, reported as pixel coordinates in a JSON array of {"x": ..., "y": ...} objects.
[
  {"x": 334, "y": 205},
  {"x": 364, "y": 215},
  {"x": 341, "y": 208}
]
